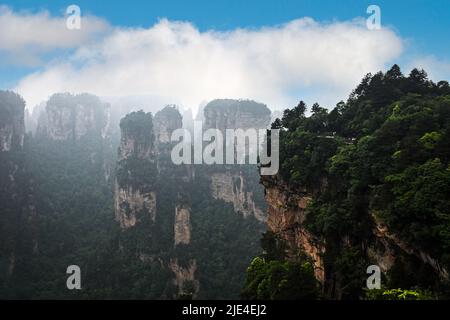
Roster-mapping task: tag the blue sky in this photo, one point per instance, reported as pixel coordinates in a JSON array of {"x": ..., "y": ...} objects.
[
  {"x": 423, "y": 26},
  {"x": 426, "y": 22}
]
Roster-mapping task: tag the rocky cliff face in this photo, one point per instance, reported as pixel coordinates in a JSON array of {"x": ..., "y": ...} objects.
[
  {"x": 12, "y": 126},
  {"x": 174, "y": 237},
  {"x": 131, "y": 205},
  {"x": 182, "y": 226},
  {"x": 17, "y": 206},
  {"x": 135, "y": 197},
  {"x": 72, "y": 117},
  {"x": 83, "y": 120},
  {"x": 230, "y": 184},
  {"x": 387, "y": 245},
  {"x": 231, "y": 188},
  {"x": 166, "y": 121},
  {"x": 174, "y": 181},
  {"x": 135, "y": 142},
  {"x": 232, "y": 114},
  {"x": 185, "y": 275},
  {"x": 150, "y": 187},
  {"x": 286, "y": 216},
  {"x": 159, "y": 199},
  {"x": 286, "y": 219}
]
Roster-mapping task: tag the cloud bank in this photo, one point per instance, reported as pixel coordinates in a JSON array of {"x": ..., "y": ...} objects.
[
  {"x": 277, "y": 65},
  {"x": 25, "y": 36}
]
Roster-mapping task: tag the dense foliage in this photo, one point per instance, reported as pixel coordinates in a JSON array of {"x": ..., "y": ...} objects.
[
  {"x": 380, "y": 158},
  {"x": 398, "y": 294},
  {"x": 275, "y": 280},
  {"x": 272, "y": 277}
]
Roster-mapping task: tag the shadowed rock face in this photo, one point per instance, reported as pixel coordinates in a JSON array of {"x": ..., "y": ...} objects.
[
  {"x": 137, "y": 139},
  {"x": 12, "y": 127},
  {"x": 17, "y": 206},
  {"x": 233, "y": 114},
  {"x": 82, "y": 121},
  {"x": 134, "y": 195},
  {"x": 230, "y": 184},
  {"x": 144, "y": 172},
  {"x": 182, "y": 227},
  {"x": 231, "y": 187},
  {"x": 130, "y": 204},
  {"x": 166, "y": 121},
  {"x": 153, "y": 193},
  {"x": 72, "y": 117},
  {"x": 185, "y": 274}
]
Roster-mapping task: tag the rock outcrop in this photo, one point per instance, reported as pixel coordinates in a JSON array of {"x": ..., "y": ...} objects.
[
  {"x": 72, "y": 117},
  {"x": 182, "y": 225},
  {"x": 12, "y": 126},
  {"x": 131, "y": 205},
  {"x": 286, "y": 216},
  {"x": 166, "y": 121},
  {"x": 229, "y": 183},
  {"x": 391, "y": 244},
  {"x": 17, "y": 206},
  {"x": 137, "y": 139},
  {"x": 233, "y": 114},
  {"x": 185, "y": 275},
  {"x": 135, "y": 196},
  {"x": 82, "y": 120},
  {"x": 156, "y": 197},
  {"x": 231, "y": 188}
]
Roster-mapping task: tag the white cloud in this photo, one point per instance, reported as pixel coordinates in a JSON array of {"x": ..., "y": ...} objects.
[
  {"x": 276, "y": 65},
  {"x": 25, "y": 36}
]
